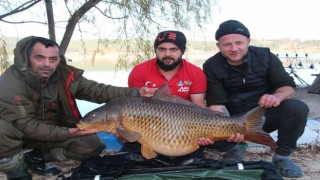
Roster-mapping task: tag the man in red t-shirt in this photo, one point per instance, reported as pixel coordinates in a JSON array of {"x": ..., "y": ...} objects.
[{"x": 183, "y": 78}]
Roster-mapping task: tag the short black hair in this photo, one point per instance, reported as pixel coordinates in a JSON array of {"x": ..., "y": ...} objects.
[{"x": 46, "y": 42}]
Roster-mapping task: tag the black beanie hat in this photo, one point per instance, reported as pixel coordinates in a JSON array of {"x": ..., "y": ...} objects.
[
  {"x": 232, "y": 27},
  {"x": 175, "y": 37}
]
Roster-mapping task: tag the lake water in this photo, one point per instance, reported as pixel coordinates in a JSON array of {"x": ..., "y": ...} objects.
[{"x": 120, "y": 78}]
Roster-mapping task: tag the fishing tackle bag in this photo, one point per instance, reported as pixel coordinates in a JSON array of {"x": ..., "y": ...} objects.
[{"x": 126, "y": 165}]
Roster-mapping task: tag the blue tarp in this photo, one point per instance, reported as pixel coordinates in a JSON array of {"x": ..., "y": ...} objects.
[{"x": 112, "y": 143}]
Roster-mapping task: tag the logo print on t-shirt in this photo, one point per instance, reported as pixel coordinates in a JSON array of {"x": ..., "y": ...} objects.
[
  {"x": 188, "y": 83},
  {"x": 184, "y": 86},
  {"x": 184, "y": 89},
  {"x": 180, "y": 83},
  {"x": 149, "y": 84}
]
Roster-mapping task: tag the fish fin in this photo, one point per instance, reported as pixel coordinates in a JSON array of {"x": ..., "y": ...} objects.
[
  {"x": 254, "y": 119},
  {"x": 163, "y": 93},
  {"x": 261, "y": 138},
  {"x": 147, "y": 152},
  {"x": 130, "y": 136},
  {"x": 253, "y": 124},
  {"x": 163, "y": 90}
]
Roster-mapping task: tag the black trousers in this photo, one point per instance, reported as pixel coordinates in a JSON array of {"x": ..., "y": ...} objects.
[{"x": 290, "y": 119}]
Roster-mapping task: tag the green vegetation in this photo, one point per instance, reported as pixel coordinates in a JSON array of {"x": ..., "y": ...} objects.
[{"x": 106, "y": 57}]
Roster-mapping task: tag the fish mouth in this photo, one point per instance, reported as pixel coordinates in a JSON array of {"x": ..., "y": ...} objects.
[
  {"x": 81, "y": 125},
  {"x": 104, "y": 127},
  {"x": 86, "y": 126}
]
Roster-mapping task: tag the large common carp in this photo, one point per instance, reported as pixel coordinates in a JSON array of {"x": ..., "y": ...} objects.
[{"x": 171, "y": 126}]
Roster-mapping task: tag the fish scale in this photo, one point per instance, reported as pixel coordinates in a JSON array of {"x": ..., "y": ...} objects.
[{"x": 171, "y": 126}]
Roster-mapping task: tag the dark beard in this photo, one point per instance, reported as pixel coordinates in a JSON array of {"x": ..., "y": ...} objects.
[{"x": 168, "y": 67}]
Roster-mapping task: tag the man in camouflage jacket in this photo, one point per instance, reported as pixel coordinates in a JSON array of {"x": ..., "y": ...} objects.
[{"x": 38, "y": 110}]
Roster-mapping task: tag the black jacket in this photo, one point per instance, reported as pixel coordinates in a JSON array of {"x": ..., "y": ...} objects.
[{"x": 239, "y": 88}]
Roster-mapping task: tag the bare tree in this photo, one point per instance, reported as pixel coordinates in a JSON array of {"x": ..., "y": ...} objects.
[
  {"x": 135, "y": 20},
  {"x": 14, "y": 9},
  {"x": 4, "y": 64}
]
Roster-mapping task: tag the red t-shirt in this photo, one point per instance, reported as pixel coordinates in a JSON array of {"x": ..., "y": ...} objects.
[{"x": 189, "y": 79}]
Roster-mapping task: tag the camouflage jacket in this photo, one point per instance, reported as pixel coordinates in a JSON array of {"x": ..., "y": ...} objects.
[{"x": 43, "y": 112}]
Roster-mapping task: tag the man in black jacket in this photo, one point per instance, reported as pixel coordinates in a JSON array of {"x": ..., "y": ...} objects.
[{"x": 241, "y": 77}]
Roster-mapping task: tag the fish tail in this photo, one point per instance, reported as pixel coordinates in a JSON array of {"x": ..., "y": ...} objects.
[{"x": 253, "y": 128}]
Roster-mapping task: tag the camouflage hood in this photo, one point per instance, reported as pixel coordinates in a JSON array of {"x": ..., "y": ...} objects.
[{"x": 21, "y": 62}]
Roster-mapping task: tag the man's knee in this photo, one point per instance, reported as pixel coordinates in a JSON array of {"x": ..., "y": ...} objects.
[
  {"x": 11, "y": 139},
  {"x": 296, "y": 106},
  {"x": 89, "y": 146},
  {"x": 293, "y": 116}
]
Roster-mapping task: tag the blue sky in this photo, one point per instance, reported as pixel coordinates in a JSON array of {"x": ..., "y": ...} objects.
[{"x": 266, "y": 19}]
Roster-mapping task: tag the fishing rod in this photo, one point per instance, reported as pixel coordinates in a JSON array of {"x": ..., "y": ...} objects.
[{"x": 294, "y": 63}]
